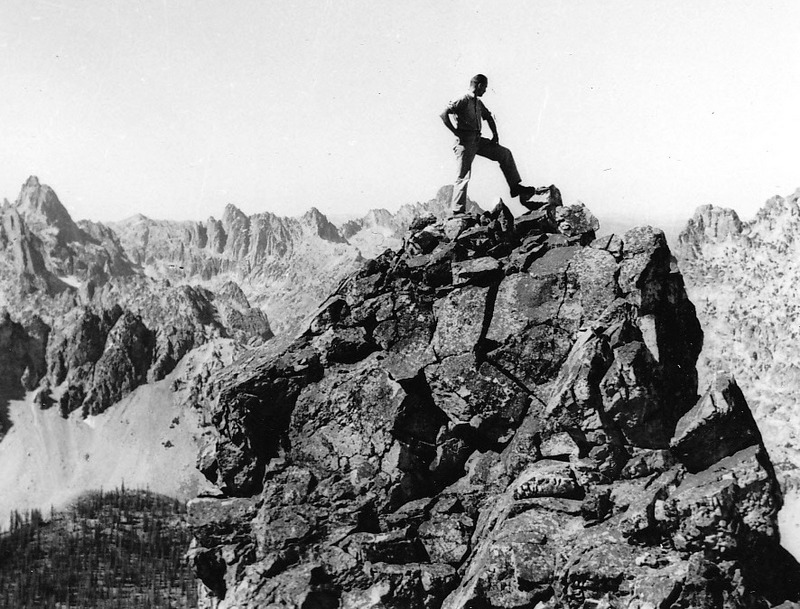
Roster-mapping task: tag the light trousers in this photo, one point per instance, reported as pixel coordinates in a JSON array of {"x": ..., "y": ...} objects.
[{"x": 469, "y": 145}]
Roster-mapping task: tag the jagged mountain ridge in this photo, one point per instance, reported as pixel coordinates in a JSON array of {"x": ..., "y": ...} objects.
[
  {"x": 285, "y": 265},
  {"x": 745, "y": 280},
  {"x": 282, "y": 263},
  {"x": 238, "y": 242},
  {"x": 504, "y": 413},
  {"x": 275, "y": 259}
]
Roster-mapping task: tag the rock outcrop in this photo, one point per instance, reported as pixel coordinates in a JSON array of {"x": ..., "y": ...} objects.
[
  {"x": 500, "y": 414},
  {"x": 22, "y": 353},
  {"x": 123, "y": 365}
]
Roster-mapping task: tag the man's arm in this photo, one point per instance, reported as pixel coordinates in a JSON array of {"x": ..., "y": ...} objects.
[
  {"x": 493, "y": 126},
  {"x": 453, "y": 108},
  {"x": 445, "y": 116}
]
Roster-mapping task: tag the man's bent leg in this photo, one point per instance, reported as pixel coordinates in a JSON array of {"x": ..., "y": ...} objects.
[
  {"x": 502, "y": 155},
  {"x": 465, "y": 154}
]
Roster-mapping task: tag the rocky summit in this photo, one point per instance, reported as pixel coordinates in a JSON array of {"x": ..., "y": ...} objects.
[{"x": 503, "y": 413}]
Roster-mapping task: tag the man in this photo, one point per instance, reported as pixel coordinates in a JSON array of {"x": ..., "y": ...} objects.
[{"x": 468, "y": 112}]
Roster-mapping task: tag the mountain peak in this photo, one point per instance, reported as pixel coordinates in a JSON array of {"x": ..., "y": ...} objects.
[
  {"x": 777, "y": 206},
  {"x": 41, "y": 208},
  {"x": 709, "y": 224},
  {"x": 716, "y": 223},
  {"x": 136, "y": 218},
  {"x": 777, "y": 222},
  {"x": 319, "y": 223},
  {"x": 233, "y": 214}
]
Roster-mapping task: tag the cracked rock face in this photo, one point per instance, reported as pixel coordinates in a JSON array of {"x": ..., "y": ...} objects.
[{"x": 503, "y": 413}]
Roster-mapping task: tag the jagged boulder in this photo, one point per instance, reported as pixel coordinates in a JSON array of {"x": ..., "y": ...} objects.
[
  {"x": 719, "y": 425},
  {"x": 270, "y": 378},
  {"x": 576, "y": 222}
]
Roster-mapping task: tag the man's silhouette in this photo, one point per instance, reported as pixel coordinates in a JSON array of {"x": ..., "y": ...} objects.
[{"x": 468, "y": 112}]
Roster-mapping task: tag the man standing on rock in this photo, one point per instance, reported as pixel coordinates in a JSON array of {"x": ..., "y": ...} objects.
[{"x": 468, "y": 111}]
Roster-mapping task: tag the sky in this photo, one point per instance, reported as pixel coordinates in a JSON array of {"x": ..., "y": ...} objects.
[{"x": 641, "y": 109}]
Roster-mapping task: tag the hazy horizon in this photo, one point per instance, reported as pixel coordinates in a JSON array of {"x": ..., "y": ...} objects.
[{"x": 609, "y": 223}]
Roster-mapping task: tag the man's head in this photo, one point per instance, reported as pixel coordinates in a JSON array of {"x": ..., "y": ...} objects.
[{"x": 478, "y": 84}]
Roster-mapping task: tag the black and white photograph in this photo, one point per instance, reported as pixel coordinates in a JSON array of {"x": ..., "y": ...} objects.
[{"x": 399, "y": 305}]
